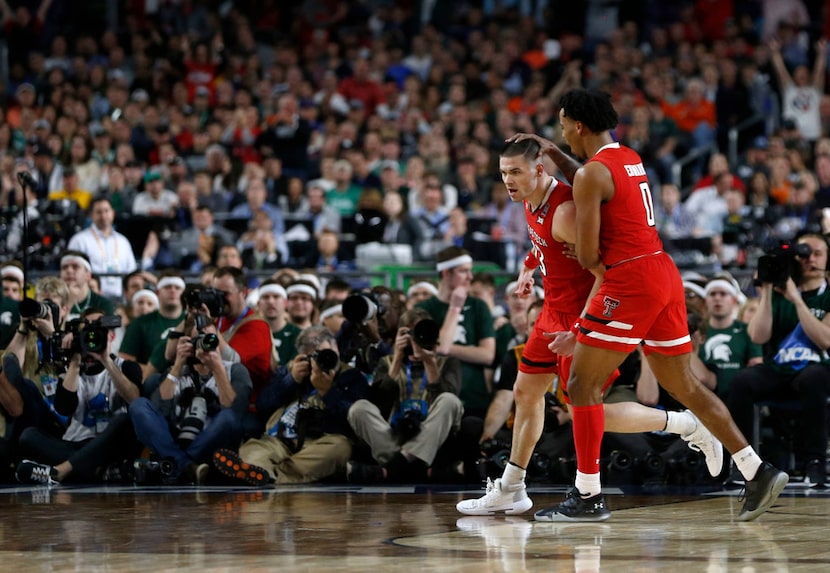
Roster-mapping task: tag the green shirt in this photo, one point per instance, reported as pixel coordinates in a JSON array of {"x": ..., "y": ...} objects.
[
  {"x": 344, "y": 202},
  {"x": 9, "y": 319},
  {"x": 475, "y": 324},
  {"x": 145, "y": 332},
  {"x": 285, "y": 341},
  {"x": 94, "y": 300},
  {"x": 729, "y": 350}
]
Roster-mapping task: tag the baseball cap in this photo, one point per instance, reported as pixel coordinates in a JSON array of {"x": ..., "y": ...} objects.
[{"x": 152, "y": 175}]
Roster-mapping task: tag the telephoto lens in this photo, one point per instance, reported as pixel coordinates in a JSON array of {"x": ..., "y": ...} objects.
[
  {"x": 359, "y": 309},
  {"x": 326, "y": 359}
]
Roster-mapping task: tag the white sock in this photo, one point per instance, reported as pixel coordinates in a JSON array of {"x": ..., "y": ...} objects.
[
  {"x": 748, "y": 462},
  {"x": 588, "y": 485},
  {"x": 680, "y": 423},
  {"x": 513, "y": 476}
]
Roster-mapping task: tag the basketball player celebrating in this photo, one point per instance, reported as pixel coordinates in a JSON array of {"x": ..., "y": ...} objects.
[
  {"x": 550, "y": 219},
  {"x": 640, "y": 298}
]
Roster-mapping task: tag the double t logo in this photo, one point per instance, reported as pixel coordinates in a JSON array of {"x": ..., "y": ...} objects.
[{"x": 610, "y": 305}]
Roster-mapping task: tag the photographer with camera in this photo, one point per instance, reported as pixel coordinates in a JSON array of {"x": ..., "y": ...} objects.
[
  {"x": 371, "y": 327},
  {"x": 306, "y": 437},
  {"x": 414, "y": 406},
  {"x": 793, "y": 324},
  {"x": 94, "y": 394},
  {"x": 31, "y": 364},
  {"x": 198, "y": 408},
  {"x": 243, "y": 335}
]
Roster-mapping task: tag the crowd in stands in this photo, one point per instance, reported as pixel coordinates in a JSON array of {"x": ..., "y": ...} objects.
[{"x": 216, "y": 173}]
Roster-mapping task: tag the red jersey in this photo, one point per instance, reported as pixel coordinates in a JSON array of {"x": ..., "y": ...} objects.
[
  {"x": 628, "y": 227},
  {"x": 566, "y": 283}
]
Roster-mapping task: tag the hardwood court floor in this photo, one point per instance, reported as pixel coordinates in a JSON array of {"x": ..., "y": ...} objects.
[{"x": 396, "y": 529}]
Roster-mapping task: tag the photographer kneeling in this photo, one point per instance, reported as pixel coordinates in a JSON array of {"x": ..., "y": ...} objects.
[
  {"x": 198, "y": 407},
  {"x": 30, "y": 368},
  {"x": 415, "y": 408},
  {"x": 793, "y": 324},
  {"x": 306, "y": 437},
  {"x": 95, "y": 392}
]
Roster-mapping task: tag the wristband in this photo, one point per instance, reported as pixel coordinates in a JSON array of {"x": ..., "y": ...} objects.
[
  {"x": 531, "y": 260},
  {"x": 23, "y": 332},
  {"x": 172, "y": 378}
]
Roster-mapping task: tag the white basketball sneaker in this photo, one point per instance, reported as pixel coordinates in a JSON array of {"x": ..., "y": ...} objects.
[
  {"x": 497, "y": 499},
  {"x": 702, "y": 440}
]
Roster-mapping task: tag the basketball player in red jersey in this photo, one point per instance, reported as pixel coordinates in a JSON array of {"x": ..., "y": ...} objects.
[
  {"x": 640, "y": 298},
  {"x": 567, "y": 288}
]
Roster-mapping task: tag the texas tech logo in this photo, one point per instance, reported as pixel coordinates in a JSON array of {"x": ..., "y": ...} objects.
[{"x": 610, "y": 304}]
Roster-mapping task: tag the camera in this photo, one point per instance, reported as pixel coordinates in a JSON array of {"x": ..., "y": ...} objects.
[
  {"x": 326, "y": 359},
  {"x": 213, "y": 299},
  {"x": 407, "y": 419},
  {"x": 425, "y": 333},
  {"x": 206, "y": 341},
  {"x": 93, "y": 338},
  {"x": 31, "y": 308},
  {"x": 779, "y": 263},
  {"x": 193, "y": 421},
  {"x": 361, "y": 308},
  {"x": 151, "y": 472}
]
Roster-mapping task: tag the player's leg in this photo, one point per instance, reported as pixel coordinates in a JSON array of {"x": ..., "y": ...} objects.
[
  {"x": 634, "y": 418},
  {"x": 507, "y": 493},
  {"x": 763, "y": 481},
  {"x": 590, "y": 370}
]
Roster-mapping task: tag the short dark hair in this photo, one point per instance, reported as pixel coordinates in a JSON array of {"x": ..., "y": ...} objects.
[
  {"x": 99, "y": 199},
  {"x": 528, "y": 148},
  {"x": 125, "y": 280},
  {"x": 236, "y": 274},
  {"x": 337, "y": 284},
  {"x": 484, "y": 278},
  {"x": 591, "y": 107}
]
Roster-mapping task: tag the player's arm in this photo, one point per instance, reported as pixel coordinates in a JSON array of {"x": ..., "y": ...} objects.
[{"x": 592, "y": 185}]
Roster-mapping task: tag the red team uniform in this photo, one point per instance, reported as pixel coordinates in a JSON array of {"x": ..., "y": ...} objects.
[
  {"x": 566, "y": 284},
  {"x": 641, "y": 297}
]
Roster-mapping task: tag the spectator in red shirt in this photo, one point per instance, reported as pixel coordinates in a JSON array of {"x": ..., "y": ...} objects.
[
  {"x": 362, "y": 87},
  {"x": 246, "y": 335},
  {"x": 694, "y": 115},
  {"x": 719, "y": 164}
]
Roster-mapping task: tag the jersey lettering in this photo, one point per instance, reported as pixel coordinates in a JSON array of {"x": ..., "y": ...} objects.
[{"x": 647, "y": 203}]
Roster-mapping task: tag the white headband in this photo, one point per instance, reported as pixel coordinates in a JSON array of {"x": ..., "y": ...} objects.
[
  {"x": 167, "y": 281},
  {"x": 305, "y": 289},
  {"x": 313, "y": 279},
  {"x": 145, "y": 292},
  {"x": 722, "y": 284},
  {"x": 451, "y": 263},
  {"x": 695, "y": 288},
  {"x": 511, "y": 286},
  {"x": 76, "y": 259},
  {"x": 424, "y": 285},
  {"x": 12, "y": 271},
  {"x": 278, "y": 290},
  {"x": 336, "y": 309}
]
